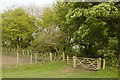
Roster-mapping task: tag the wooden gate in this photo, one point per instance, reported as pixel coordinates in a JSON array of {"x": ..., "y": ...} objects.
[{"x": 87, "y": 63}]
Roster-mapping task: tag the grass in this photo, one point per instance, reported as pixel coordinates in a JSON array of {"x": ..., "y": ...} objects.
[{"x": 54, "y": 70}]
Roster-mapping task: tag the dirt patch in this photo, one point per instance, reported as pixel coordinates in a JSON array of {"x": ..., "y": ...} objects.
[
  {"x": 7, "y": 59},
  {"x": 68, "y": 68}
]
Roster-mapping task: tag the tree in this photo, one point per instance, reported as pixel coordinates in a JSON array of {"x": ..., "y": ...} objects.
[
  {"x": 61, "y": 10},
  {"x": 50, "y": 37},
  {"x": 88, "y": 24},
  {"x": 18, "y": 27},
  {"x": 48, "y": 41}
]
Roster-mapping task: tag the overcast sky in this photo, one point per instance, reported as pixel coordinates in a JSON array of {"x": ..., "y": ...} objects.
[{"x": 5, "y": 4}]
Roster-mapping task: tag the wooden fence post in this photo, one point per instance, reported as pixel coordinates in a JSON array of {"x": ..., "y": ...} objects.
[
  {"x": 103, "y": 63},
  {"x": 17, "y": 57},
  {"x": 35, "y": 57},
  {"x": 63, "y": 56},
  {"x": 67, "y": 59},
  {"x": 74, "y": 61},
  {"x": 98, "y": 63},
  {"x": 31, "y": 58},
  {"x": 50, "y": 57}
]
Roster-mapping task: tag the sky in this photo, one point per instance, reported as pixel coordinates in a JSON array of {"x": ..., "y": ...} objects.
[{"x": 6, "y": 4}]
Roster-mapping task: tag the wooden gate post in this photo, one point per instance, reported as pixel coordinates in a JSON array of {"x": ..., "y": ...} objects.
[
  {"x": 50, "y": 57},
  {"x": 31, "y": 58},
  {"x": 74, "y": 61},
  {"x": 63, "y": 56},
  {"x": 98, "y": 63},
  {"x": 67, "y": 59},
  {"x": 103, "y": 63},
  {"x": 17, "y": 57},
  {"x": 35, "y": 57}
]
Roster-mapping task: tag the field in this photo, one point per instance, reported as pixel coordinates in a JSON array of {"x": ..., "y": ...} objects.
[{"x": 53, "y": 70}]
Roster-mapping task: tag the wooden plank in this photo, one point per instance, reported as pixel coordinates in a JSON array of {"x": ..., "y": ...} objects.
[
  {"x": 80, "y": 62},
  {"x": 87, "y": 63},
  {"x": 91, "y": 63}
]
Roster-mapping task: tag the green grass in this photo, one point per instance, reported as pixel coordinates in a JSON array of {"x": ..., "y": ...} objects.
[{"x": 54, "y": 70}]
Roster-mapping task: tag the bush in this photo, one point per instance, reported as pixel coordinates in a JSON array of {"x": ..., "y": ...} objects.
[{"x": 109, "y": 56}]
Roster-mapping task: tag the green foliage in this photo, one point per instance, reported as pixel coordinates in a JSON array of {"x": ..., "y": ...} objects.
[
  {"x": 17, "y": 27},
  {"x": 50, "y": 37},
  {"x": 49, "y": 40},
  {"x": 91, "y": 25},
  {"x": 109, "y": 56},
  {"x": 47, "y": 19}
]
